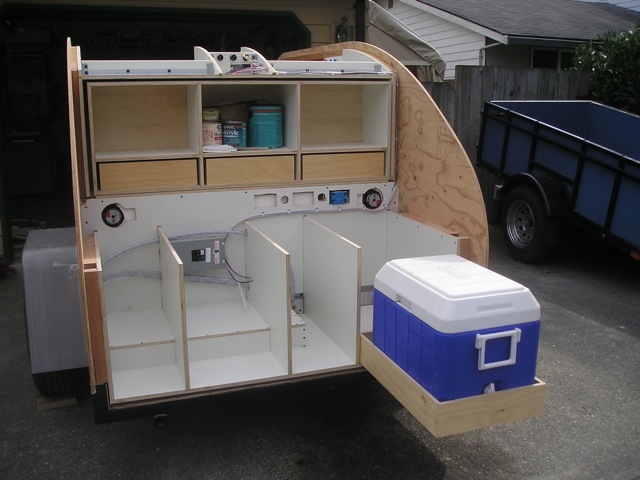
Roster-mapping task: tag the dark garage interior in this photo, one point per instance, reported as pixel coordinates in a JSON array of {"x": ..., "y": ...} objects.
[{"x": 35, "y": 182}]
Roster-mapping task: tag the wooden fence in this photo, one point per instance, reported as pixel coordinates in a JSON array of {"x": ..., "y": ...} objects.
[{"x": 461, "y": 102}]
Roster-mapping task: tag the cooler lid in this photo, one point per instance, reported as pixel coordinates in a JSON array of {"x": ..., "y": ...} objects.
[{"x": 455, "y": 295}]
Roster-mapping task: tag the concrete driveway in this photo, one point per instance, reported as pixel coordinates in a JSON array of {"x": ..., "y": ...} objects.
[{"x": 349, "y": 427}]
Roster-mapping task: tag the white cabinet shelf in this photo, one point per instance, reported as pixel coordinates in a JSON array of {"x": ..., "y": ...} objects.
[
  {"x": 138, "y": 327},
  {"x": 222, "y": 318},
  {"x": 251, "y": 152},
  {"x": 145, "y": 382},
  {"x": 235, "y": 369}
]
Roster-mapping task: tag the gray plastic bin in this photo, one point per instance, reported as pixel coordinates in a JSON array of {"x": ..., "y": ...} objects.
[{"x": 53, "y": 312}]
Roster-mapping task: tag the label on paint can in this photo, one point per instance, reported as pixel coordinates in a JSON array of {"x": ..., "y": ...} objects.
[
  {"x": 234, "y": 133},
  {"x": 212, "y": 133},
  {"x": 210, "y": 115}
]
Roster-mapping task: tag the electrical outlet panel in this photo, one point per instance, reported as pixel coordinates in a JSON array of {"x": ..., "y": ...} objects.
[
  {"x": 338, "y": 197},
  {"x": 200, "y": 254}
]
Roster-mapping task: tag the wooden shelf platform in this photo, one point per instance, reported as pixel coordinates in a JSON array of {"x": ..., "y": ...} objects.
[{"x": 454, "y": 416}]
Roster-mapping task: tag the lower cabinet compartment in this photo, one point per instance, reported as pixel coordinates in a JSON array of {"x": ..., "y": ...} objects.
[
  {"x": 229, "y": 341},
  {"x": 145, "y": 332},
  {"x": 168, "y": 335},
  {"x": 174, "y": 334},
  {"x": 146, "y": 370}
]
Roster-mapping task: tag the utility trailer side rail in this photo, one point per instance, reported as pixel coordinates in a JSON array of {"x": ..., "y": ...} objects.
[{"x": 556, "y": 159}]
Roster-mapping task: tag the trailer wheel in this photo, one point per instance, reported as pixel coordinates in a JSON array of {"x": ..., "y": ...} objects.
[{"x": 530, "y": 233}]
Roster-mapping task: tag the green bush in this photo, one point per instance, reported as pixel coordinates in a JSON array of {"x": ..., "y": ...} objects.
[{"x": 614, "y": 62}]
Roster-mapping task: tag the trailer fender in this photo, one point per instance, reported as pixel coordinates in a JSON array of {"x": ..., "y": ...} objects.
[{"x": 551, "y": 192}]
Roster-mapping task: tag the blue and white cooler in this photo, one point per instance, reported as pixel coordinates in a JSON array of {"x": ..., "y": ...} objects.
[{"x": 455, "y": 327}]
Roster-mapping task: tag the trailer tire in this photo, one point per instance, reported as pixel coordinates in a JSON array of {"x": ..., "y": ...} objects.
[
  {"x": 530, "y": 233},
  {"x": 59, "y": 383}
]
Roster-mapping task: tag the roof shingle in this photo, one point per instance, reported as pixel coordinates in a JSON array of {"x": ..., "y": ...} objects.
[{"x": 561, "y": 19}]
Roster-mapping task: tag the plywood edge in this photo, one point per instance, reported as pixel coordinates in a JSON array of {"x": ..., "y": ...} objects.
[
  {"x": 173, "y": 300},
  {"x": 91, "y": 253},
  {"x": 456, "y": 416},
  {"x": 76, "y": 123},
  {"x": 464, "y": 248},
  {"x": 94, "y": 312},
  {"x": 164, "y": 240},
  {"x": 90, "y": 288}
]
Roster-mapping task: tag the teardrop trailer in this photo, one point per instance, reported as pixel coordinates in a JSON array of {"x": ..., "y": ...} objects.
[
  {"x": 559, "y": 161},
  {"x": 204, "y": 271}
]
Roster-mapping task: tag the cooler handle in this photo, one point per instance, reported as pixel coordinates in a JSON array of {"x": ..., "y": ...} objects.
[{"x": 481, "y": 341}]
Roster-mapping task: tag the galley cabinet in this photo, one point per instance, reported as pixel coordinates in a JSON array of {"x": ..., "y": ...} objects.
[{"x": 208, "y": 268}]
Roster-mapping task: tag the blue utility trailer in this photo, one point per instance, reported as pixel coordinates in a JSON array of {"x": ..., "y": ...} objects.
[{"x": 558, "y": 161}]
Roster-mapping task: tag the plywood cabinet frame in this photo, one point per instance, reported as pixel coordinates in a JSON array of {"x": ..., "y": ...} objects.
[
  {"x": 160, "y": 120},
  {"x": 447, "y": 200}
]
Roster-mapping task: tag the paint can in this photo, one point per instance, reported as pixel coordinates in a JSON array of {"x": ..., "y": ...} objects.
[
  {"x": 265, "y": 126},
  {"x": 212, "y": 133},
  {"x": 234, "y": 133},
  {"x": 210, "y": 114}
]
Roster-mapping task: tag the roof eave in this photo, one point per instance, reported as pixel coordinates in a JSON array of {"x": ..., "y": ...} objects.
[
  {"x": 474, "y": 27},
  {"x": 550, "y": 42}
]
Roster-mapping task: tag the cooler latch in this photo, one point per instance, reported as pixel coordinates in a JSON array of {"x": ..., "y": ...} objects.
[{"x": 481, "y": 342}]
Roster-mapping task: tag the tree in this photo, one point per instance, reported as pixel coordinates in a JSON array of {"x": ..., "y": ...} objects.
[{"x": 614, "y": 62}]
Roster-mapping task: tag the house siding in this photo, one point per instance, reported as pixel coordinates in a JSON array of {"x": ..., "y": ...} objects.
[{"x": 455, "y": 44}]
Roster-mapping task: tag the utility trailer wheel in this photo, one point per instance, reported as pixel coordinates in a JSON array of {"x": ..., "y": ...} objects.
[
  {"x": 530, "y": 233},
  {"x": 59, "y": 383}
]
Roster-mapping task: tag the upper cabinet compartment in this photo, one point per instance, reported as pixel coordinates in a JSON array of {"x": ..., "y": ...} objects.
[
  {"x": 235, "y": 101},
  {"x": 345, "y": 115},
  {"x": 143, "y": 121},
  {"x": 266, "y": 123}
]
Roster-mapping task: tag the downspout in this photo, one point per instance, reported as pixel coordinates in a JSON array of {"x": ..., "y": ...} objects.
[
  {"x": 361, "y": 13},
  {"x": 481, "y": 52}
]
